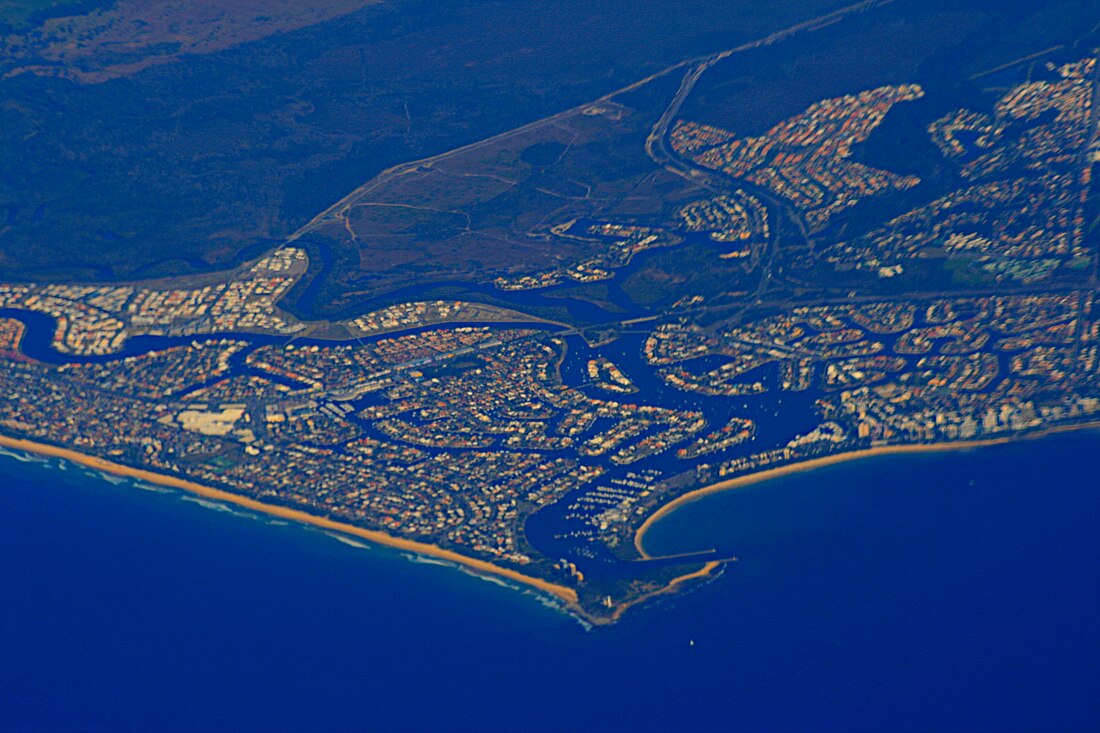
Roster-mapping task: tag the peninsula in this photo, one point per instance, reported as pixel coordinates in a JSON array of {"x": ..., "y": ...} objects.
[{"x": 720, "y": 307}]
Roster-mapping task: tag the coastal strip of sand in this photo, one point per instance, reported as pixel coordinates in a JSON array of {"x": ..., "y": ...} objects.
[
  {"x": 670, "y": 587},
  {"x": 809, "y": 465},
  {"x": 561, "y": 592}
]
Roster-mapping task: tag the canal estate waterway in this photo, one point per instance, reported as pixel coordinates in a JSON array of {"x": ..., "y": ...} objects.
[{"x": 553, "y": 531}]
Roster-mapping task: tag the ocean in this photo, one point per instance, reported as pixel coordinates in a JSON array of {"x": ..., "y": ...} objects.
[{"x": 955, "y": 591}]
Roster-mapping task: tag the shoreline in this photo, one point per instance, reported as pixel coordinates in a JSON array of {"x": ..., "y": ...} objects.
[
  {"x": 704, "y": 572},
  {"x": 563, "y": 593},
  {"x": 568, "y": 596},
  {"x": 824, "y": 461}
]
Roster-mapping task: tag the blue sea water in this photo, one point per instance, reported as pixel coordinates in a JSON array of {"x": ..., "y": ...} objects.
[{"x": 952, "y": 591}]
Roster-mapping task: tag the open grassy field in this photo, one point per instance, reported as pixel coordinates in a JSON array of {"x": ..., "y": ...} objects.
[{"x": 245, "y": 128}]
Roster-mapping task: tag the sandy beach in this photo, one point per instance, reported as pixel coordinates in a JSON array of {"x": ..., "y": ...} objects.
[
  {"x": 671, "y": 587},
  {"x": 566, "y": 594},
  {"x": 792, "y": 468}
]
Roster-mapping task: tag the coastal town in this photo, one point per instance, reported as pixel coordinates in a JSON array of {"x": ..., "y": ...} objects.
[
  {"x": 908, "y": 372},
  {"x": 541, "y": 447},
  {"x": 1019, "y": 214},
  {"x": 805, "y": 160},
  {"x": 456, "y": 436},
  {"x": 619, "y": 242},
  {"x": 97, "y": 320}
]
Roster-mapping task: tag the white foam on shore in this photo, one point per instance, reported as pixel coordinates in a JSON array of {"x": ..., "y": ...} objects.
[
  {"x": 424, "y": 560},
  {"x": 48, "y": 462},
  {"x": 208, "y": 504},
  {"x": 544, "y": 599},
  {"x": 344, "y": 539},
  {"x": 490, "y": 579},
  {"x": 144, "y": 486},
  {"x": 21, "y": 457},
  {"x": 217, "y": 506}
]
